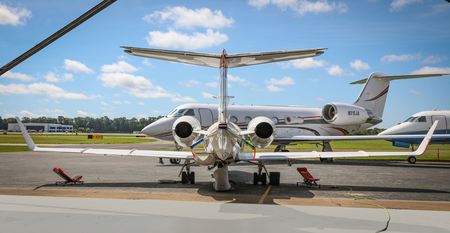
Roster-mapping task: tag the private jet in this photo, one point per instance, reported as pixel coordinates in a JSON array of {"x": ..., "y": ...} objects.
[{"x": 224, "y": 142}]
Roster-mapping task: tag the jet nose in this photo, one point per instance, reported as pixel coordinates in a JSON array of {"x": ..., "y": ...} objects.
[{"x": 159, "y": 129}]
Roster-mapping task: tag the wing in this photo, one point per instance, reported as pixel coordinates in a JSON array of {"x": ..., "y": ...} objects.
[
  {"x": 389, "y": 78},
  {"x": 315, "y": 154},
  {"x": 233, "y": 60},
  {"x": 358, "y": 137},
  {"x": 133, "y": 152}
]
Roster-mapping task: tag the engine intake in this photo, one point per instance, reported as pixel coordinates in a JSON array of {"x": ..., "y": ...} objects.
[
  {"x": 346, "y": 114},
  {"x": 183, "y": 131},
  {"x": 264, "y": 131}
]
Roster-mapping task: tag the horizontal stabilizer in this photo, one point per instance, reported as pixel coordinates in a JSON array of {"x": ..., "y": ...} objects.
[
  {"x": 394, "y": 77},
  {"x": 233, "y": 60}
]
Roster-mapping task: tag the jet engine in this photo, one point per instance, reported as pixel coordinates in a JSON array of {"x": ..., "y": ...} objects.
[
  {"x": 264, "y": 131},
  {"x": 183, "y": 131},
  {"x": 346, "y": 114}
]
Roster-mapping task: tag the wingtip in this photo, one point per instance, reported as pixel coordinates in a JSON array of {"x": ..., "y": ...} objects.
[{"x": 426, "y": 140}]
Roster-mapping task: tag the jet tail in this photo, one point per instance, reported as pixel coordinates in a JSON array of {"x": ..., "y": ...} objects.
[{"x": 374, "y": 93}]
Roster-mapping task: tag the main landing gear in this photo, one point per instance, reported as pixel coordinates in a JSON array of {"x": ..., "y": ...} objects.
[
  {"x": 187, "y": 176},
  {"x": 412, "y": 159},
  {"x": 326, "y": 147},
  {"x": 274, "y": 177}
]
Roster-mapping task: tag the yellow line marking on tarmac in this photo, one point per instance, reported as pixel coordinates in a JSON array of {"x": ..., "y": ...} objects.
[{"x": 264, "y": 195}]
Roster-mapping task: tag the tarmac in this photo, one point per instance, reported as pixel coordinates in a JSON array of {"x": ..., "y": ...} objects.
[{"x": 126, "y": 193}]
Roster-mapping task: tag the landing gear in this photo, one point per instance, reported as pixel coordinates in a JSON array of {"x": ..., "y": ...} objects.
[
  {"x": 187, "y": 176},
  {"x": 326, "y": 147},
  {"x": 281, "y": 148},
  {"x": 174, "y": 161},
  {"x": 412, "y": 159},
  {"x": 274, "y": 177}
]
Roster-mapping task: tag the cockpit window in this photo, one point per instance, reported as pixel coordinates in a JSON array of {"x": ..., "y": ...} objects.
[
  {"x": 421, "y": 119},
  {"x": 411, "y": 119},
  {"x": 177, "y": 112},
  {"x": 190, "y": 112}
]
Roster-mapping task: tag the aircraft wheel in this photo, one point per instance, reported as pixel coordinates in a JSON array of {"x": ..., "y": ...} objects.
[
  {"x": 175, "y": 161},
  {"x": 264, "y": 179},
  {"x": 255, "y": 178},
  {"x": 192, "y": 178},
  {"x": 284, "y": 150},
  {"x": 184, "y": 178},
  {"x": 412, "y": 159},
  {"x": 275, "y": 178}
]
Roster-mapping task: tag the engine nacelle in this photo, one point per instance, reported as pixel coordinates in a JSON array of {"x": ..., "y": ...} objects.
[
  {"x": 264, "y": 131},
  {"x": 346, "y": 114},
  {"x": 183, "y": 131}
]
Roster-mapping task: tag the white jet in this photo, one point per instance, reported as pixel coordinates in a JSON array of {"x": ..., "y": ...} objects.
[{"x": 224, "y": 142}]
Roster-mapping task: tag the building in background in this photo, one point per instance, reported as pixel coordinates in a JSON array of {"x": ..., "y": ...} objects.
[{"x": 42, "y": 127}]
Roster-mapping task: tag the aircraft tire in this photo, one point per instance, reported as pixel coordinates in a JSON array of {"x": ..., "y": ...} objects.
[
  {"x": 174, "y": 161},
  {"x": 255, "y": 178},
  {"x": 412, "y": 159},
  {"x": 192, "y": 178},
  {"x": 275, "y": 178},
  {"x": 263, "y": 179},
  {"x": 184, "y": 178}
]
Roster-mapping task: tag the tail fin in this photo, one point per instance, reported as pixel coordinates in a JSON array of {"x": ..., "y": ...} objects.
[{"x": 374, "y": 94}]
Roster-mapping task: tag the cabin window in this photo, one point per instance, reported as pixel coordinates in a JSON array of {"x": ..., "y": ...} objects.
[
  {"x": 275, "y": 120},
  {"x": 233, "y": 119},
  {"x": 177, "y": 112},
  {"x": 421, "y": 119},
  {"x": 411, "y": 119},
  {"x": 190, "y": 112},
  {"x": 247, "y": 119}
]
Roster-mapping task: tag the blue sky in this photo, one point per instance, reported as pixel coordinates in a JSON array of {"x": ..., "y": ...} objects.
[{"x": 86, "y": 73}]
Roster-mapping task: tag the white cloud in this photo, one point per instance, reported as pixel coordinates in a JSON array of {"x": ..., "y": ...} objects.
[
  {"x": 398, "y": 5},
  {"x": 127, "y": 102},
  {"x": 124, "y": 80},
  {"x": 51, "y": 77},
  {"x": 184, "y": 99},
  {"x": 416, "y": 92},
  {"x": 76, "y": 66},
  {"x": 56, "y": 102},
  {"x": 188, "y": 18},
  {"x": 190, "y": 83},
  {"x": 86, "y": 114},
  {"x": 274, "y": 88},
  {"x": 141, "y": 103},
  {"x": 434, "y": 59},
  {"x": 404, "y": 57},
  {"x": 242, "y": 81},
  {"x": 104, "y": 103},
  {"x": 335, "y": 70},
  {"x": 177, "y": 40},
  {"x": 306, "y": 63},
  {"x": 1, "y": 103},
  {"x": 212, "y": 84},
  {"x": 432, "y": 70},
  {"x": 41, "y": 89},
  {"x": 359, "y": 65},
  {"x": 207, "y": 95},
  {"x": 141, "y": 116},
  {"x": 121, "y": 66},
  {"x": 320, "y": 99},
  {"x": 19, "y": 76},
  {"x": 28, "y": 114},
  {"x": 304, "y": 6},
  {"x": 117, "y": 102},
  {"x": 151, "y": 94},
  {"x": 146, "y": 62},
  {"x": 258, "y": 3},
  {"x": 284, "y": 81},
  {"x": 13, "y": 16}
]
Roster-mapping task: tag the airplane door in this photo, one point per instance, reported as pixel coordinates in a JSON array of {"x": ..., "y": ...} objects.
[
  {"x": 206, "y": 117},
  {"x": 442, "y": 125}
]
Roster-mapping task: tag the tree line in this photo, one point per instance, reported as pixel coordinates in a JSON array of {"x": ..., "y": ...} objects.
[{"x": 89, "y": 124}]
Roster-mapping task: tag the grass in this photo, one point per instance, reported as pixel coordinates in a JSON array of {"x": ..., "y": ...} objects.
[
  {"x": 14, "y": 148},
  {"x": 73, "y": 139}
]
